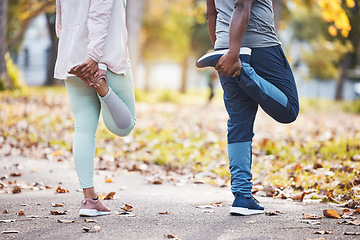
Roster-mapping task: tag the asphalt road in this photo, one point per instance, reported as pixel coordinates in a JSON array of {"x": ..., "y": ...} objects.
[{"x": 185, "y": 220}]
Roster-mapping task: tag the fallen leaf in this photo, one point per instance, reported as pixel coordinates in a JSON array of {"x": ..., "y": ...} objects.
[
  {"x": 109, "y": 196},
  {"x": 96, "y": 228},
  {"x": 5, "y": 212},
  {"x": 310, "y": 216},
  {"x": 90, "y": 220},
  {"x": 205, "y": 206},
  {"x": 171, "y": 236},
  {"x": 124, "y": 213},
  {"x": 108, "y": 180},
  {"x": 351, "y": 233},
  {"x": 21, "y": 213},
  {"x": 352, "y": 222},
  {"x": 7, "y": 220},
  {"x": 323, "y": 232},
  {"x": 357, "y": 211},
  {"x": 86, "y": 229},
  {"x": 9, "y": 232},
  {"x": 33, "y": 216},
  {"x": 15, "y": 174},
  {"x": 253, "y": 221},
  {"x": 58, "y": 213},
  {"x": 299, "y": 197},
  {"x": 16, "y": 189},
  {"x": 57, "y": 204},
  {"x": 312, "y": 222},
  {"x": 273, "y": 213},
  {"x": 61, "y": 190},
  {"x": 330, "y": 213},
  {"x": 330, "y": 194},
  {"x": 23, "y": 204},
  {"x": 127, "y": 208},
  {"x": 165, "y": 212},
  {"x": 65, "y": 221}
]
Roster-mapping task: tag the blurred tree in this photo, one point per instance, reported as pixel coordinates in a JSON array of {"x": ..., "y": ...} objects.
[
  {"x": 15, "y": 17},
  {"x": 332, "y": 30},
  {"x": 4, "y": 78},
  {"x": 134, "y": 19},
  {"x": 168, "y": 32}
]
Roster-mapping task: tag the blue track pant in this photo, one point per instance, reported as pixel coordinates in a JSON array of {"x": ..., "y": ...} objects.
[{"x": 266, "y": 79}]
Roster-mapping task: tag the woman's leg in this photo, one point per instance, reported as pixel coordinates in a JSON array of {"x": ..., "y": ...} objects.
[
  {"x": 118, "y": 106},
  {"x": 85, "y": 106}
]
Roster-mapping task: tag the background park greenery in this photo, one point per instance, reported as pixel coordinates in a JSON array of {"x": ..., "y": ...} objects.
[{"x": 176, "y": 133}]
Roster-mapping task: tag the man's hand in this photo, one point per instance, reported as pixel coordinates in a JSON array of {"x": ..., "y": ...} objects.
[
  {"x": 229, "y": 65},
  {"x": 86, "y": 70}
]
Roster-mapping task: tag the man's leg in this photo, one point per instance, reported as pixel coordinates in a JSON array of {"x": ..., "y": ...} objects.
[
  {"x": 242, "y": 111},
  {"x": 267, "y": 78}
]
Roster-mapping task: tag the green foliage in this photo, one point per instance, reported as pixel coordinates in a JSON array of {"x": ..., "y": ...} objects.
[
  {"x": 324, "y": 57},
  {"x": 352, "y": 107},
  {"x": 14, "y": 73}
]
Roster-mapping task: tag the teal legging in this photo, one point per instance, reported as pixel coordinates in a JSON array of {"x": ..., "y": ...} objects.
[{"x": 86, "y": 105}]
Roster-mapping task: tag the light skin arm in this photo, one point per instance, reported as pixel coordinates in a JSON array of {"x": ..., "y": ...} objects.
[
  {"x": 211, "y": 15},
  {"x": 98, "y": 23},
  {"x": 229, "y": 65}
]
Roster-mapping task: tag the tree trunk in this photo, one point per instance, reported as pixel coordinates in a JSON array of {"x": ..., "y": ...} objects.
[
  {"x": 4, "y": 78},
  {"x": 184, "y": 72},
  {"x": 340, "y": 86},
  {"x": 134, "y": 13},
  {"x": 277, "y": 6},
  {"x": 147, "y": 76},
  {"x": 52, "y": 52}
]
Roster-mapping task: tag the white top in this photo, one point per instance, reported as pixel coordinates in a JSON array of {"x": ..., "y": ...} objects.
[{"x": 91, "y": 28}]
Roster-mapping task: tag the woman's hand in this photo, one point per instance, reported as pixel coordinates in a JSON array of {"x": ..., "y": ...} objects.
[
  {"x": 86, "y": 70},
  {"x": 229, "y": 65}
]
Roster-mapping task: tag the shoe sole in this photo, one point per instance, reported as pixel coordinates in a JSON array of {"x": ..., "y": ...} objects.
[
  {"x": 92, "y": 213},
  {"x": 244, "y": 211},
  {"x": 210, "y": 59}
]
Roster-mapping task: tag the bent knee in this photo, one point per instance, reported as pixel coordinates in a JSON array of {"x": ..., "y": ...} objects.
[{"x": 123, "y": 132}]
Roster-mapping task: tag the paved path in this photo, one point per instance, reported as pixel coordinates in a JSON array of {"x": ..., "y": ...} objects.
[{"x": 186, "y": 221}]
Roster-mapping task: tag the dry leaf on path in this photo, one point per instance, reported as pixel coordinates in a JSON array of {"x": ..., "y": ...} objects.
[
  {"x": 299, "y": 197},
  {"x": 208, "y": 211},
  {"x": 171, "y": 236},
  {"x": 357, "y": 211},
  {"x": 65, "y": 221},
  {"x": 310, "y": 216},
  {"x": 5, "y": 212},
  {"x": 16, "y": 189},
  {"x": 90, "y": 220},
  {"x": 15, "y": 174},
  {"x": 9, "y": 232},
  {"x": 312, "y": 222},
  {"x": 61, "y": 190},
  {"x": 109, "y": 196},
  {"x": 165, "y": 212},
  {"x": 351, "y": 233},
  {"x": 93, "y": 229},
  {"x": 58, "y": 213},
  {"x": 21, "y": 213},
  {"x": 127, "y": 208},
  {"x": 57, "y": 204},
  {"x": 124, "y": 213},
  {"x": 7, "y": 220},
  {"x": 353, "y": 222},
  {"x": 273, "y": 213},
  {"x": 108, "y": 180},
  {"x": 205, "y": 206},
  {"x": 323, "y": 232},
  {"x": 330, "y": 213}
]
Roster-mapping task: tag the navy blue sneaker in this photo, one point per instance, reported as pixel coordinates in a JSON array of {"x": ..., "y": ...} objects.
[
  {"x": 210, "y": 59},
  {"x": 245, "y": 205}
]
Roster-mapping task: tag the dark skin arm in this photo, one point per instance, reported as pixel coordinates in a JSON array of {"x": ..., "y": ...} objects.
[
  {"x": 229, "y": 65},
  {"x": 211, "y": 15}
]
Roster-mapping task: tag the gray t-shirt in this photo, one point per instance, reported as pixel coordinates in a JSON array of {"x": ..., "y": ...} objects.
[{"x": 260, "y": 31}]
